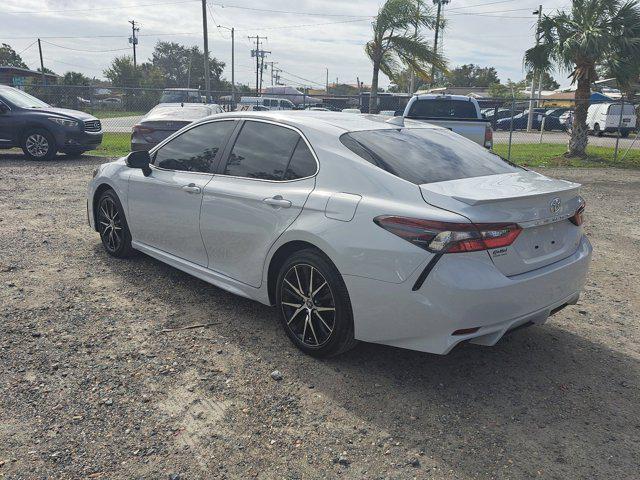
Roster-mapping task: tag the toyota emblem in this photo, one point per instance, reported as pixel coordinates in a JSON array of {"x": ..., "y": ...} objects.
[{"x": 554, "y": 206}]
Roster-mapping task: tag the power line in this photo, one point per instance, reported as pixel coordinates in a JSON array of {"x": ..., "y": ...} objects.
[
  {"x": 301, "y": 78},
  {"x": 27, "y": 47},
  {"x": 82, "y": 50},
  {"x": 492, "y": 11},
  {"x": 40, "y": 12},
  {"x": 308, "y": 24},
  {"x": 294, "y": 12},
  {"x": 106, "y": 36},
  {"x": 480, "y": 5}
]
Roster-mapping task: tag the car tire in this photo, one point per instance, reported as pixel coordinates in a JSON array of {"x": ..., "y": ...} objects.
[
  {"x": 624, "y": 133},
  {"x": 39, "y": 144},
  {"x": 315, "y": 309},
  {"x": 112, "y": 225},
  {"x": 597, "y": 131}
]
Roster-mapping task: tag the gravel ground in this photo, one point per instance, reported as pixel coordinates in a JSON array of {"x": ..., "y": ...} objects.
[{"x": 93, "y": 388}]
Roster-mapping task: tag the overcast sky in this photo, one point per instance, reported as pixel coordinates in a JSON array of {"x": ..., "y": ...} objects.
[{"x": 322, "y": 34}]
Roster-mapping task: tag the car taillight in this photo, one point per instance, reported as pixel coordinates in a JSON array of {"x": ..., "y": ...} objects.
[
  {"x": 578, "y": 217},
  {"x": 446, "y": 237},
  {"x": 488, "y": 137},
  {"x": 141, "y": 129}
]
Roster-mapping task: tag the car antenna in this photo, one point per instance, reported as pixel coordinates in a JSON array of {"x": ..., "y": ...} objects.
[{"x": 399, "y": 120}]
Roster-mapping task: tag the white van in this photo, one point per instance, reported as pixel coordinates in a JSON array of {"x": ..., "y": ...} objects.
[
  {"x": 271, "y": 103},
  {"x": 605, "y": 117}
]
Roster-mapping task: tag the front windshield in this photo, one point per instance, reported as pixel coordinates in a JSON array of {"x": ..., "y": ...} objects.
[{"x": 21, "y": 99}]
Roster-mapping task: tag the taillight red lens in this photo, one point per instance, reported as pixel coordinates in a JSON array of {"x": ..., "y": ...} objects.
[
  {"x": 142, "y": 129},
  {"x": 446, "y": 237},
  {"x": 488, "y": 137},
  {"x": 578, "y": 217}
]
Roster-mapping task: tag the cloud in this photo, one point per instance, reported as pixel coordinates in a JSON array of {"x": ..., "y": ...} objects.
[{"x": 303, "y": 45}]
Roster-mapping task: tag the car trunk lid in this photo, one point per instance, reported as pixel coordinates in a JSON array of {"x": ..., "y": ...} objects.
[{"x": 541, "y": 206}]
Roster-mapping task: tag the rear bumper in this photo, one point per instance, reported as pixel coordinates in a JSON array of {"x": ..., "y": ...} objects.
[{"x": 463, "y": 291}]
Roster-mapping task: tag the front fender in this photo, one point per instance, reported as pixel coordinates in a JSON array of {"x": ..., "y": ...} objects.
[{"x": 113, "y": 175}]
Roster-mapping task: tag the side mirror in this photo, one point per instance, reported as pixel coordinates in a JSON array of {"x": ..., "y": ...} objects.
[
  {"x": 3, "y": 108},
  {"x": 140, "y": 159}
]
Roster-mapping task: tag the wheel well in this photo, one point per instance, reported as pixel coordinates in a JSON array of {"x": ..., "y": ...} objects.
[
  {"x": 98, "y": 193},
  {"x": 278, "y": 259},
  {"x": 27, "y": 128}
]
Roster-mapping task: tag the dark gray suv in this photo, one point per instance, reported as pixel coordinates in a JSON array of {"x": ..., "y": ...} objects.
[{"x": 42, "y": 130}]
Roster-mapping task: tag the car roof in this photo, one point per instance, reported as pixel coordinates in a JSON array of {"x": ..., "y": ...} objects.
[
  {"x": 436, "y": 96},
  {"x": 336, "y": 122},
  {"x": 185, "y": 105}
]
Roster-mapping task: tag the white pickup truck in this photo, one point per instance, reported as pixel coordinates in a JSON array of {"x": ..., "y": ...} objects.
[{"x": 456, "y": 112}]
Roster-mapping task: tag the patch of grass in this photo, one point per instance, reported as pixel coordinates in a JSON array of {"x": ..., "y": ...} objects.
[
  {"x": 113, "y": 145},
  {"x": 552, "y": 155}
]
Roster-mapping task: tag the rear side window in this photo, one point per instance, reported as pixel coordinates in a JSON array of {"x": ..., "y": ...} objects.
[
  {"x": 196, "y": 149},
  {"x": 302, "y": 163},
  {"x": 264, "y": 151},
  {"x": 421, "y": 155},
  {"x": 442, "y": 108}
]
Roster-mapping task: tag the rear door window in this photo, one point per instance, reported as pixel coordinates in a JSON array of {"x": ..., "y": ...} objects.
[
  {"x": 615, "y": 109},
  {"x": 425, "y": 155},
  {"x": 302, "y": 163},
  {"x": 443, "y": 108},
  {"x": 262, "y": 150},
  {"x": 196, "y": 149}
]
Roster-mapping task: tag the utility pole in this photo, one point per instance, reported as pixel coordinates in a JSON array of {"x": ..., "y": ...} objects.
[
  {"x": 271, "y": 64},
  {"x": 134, "y": 40},
  {"x": 440, "y": 3},
  {"x": 44, "y": 78},
  {"x": 327, "y": 80},
  {"x": 533, "y": 74},
  {"x": 258, "y": 54},
  {"x": 233, "y": 65},
  {"x": 205, "y": 35}
]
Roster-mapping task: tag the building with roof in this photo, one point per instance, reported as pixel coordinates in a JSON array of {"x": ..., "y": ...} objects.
[{"x": 16, "y": 76}]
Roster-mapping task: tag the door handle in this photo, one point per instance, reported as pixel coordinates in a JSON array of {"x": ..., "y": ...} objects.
[
  {"x": 191, "y": 188},
  {"x": 277, "y": 201}
]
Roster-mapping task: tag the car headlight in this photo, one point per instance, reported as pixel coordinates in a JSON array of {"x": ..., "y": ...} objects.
[{"x": 65, "y": 122}]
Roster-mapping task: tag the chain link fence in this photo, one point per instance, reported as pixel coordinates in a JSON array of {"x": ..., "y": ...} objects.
[{"x": 518, "y": 135}]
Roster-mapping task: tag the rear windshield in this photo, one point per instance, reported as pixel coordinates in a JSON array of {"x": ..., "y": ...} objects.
[
  {"x": 178, "y": 113},
  {"x": 177, "y": 96},
  {"x": 424, "y": 155},
  {"x": 443, "y": 108},
  {"x": 615, "y": 109}
]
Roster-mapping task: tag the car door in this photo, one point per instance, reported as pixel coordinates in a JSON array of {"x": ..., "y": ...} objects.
[
  {"x": 261, "y": 189},
  {"x": 164, "y": 207}
]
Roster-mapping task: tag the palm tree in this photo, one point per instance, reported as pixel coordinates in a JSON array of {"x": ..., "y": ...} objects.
[
  {"x": 395, "y": 43},
  {"x": 592, "y": 33}
]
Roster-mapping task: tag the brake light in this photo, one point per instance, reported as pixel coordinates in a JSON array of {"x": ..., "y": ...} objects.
[
  {"x": 578, "y": 217},
  {"x": 447, "y": 237},
  {"x": 488, "y": 137},
  {"x": 141, "y": 129}
]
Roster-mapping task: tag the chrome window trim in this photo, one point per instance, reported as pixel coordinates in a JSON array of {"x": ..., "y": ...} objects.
[
  {"x": 6, "y": 105},
  {"x": 278, "y": 124}
]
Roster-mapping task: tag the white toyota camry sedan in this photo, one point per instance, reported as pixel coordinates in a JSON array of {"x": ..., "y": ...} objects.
[{"x": 357, "y": 227}]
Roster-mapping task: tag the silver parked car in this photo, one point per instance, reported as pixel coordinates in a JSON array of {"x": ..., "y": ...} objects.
[
  {"x": 355, "y": 226},
  {"x": 165, "y": 119}
]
